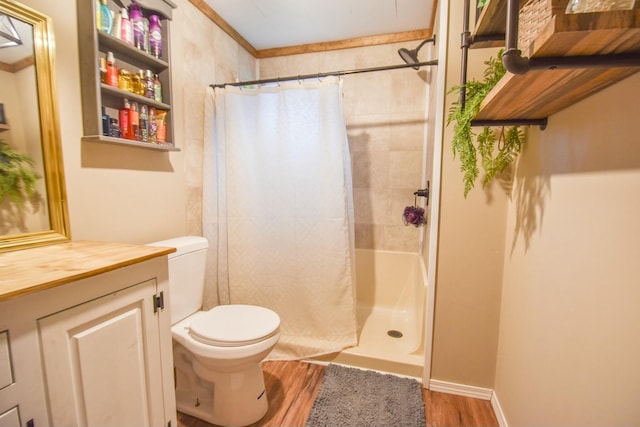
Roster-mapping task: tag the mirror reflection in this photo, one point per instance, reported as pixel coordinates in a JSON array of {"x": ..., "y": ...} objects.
[
  {"x": 23, "y": 205},
  {"x": 33, "y": 208}
]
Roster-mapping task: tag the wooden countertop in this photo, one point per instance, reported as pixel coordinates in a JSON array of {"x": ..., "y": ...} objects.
[{"x": 31, "y": 270}]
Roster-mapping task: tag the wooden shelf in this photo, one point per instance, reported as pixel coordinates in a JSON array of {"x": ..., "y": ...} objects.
[
  {"x": 492, "y": 21},
  {"x": 108, "y": 42},
  {"x": 160, "y": 146},
  {"x": 134, "y": 97},
  {"x": 541, "y": 93}
]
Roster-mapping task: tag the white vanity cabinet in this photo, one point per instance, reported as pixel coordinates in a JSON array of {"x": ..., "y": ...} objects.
[{"x": 93, "y": 351}]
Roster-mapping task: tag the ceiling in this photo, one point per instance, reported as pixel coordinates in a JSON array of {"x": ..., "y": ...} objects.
[
  {"x": 271, "y": 24},
  {"x": 12, "y": 54}
]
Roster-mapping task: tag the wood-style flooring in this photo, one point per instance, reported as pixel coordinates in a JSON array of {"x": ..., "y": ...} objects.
[{"x": 292, "y": 387}]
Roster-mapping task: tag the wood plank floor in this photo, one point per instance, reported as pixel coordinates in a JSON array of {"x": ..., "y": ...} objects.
[{"x": 292, "y": 387}]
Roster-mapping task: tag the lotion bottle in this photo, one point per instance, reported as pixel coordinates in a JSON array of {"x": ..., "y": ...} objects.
[{"x": 126, "y": 30}]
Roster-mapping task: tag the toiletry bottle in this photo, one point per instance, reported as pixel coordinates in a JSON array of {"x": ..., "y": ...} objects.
[
  {"x": 106, "y": 18},
  {"x": 124, "y": 80},
  {"x": 98, "y": 8},
  {"x": 155, "y": 36},
  {"x": 161, "y": 126},
  {"x": 117, "y": 27},
  {"x": 157, "y": 89},
  {"x": 135, "y": 83},
  {"x": 148, "y": 85},
  {"x": 114, "y": 128},
  {"x": 103, "y": 70},
  {"x": 137, "y": 23},
  {"x": 126, "y": 30},
  {"x": 105, "y": 122},
  {"x": 146, "y": 35},
  {"x": 141, "y": 88},
  {"x": 112, "y": 71},
  {"x": 152, "y": 126},
  {"x": 134, "y": 119},
  {"x": 144, "y": 123},
  {"x": 123, "y": 114}
]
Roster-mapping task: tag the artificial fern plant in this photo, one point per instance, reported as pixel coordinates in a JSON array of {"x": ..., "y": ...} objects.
[
  {"x": 17, "y": 176},
  {"x": 509, "y": 141}
]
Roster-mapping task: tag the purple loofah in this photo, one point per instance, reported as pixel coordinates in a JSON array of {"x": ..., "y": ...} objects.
[{"x": 413, "y": 215}]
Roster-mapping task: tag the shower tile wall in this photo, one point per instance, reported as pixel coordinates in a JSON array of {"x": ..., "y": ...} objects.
[
  {"x": 207, "y": 55},
  {"x": 385, "y": 114}
]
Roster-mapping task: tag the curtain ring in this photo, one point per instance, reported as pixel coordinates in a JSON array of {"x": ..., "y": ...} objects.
[{"x": 502, "y": 141}]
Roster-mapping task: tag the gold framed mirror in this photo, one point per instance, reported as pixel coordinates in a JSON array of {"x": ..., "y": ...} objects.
[{"x": 33, "y": 206}]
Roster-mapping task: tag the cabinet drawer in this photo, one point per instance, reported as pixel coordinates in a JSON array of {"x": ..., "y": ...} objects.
[
  {"x": 6, "y": 370},
  {"x": 10, "y": 418}
]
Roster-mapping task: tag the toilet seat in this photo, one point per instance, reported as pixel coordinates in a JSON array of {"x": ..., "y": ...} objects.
[{"x": 234, "y": 325}]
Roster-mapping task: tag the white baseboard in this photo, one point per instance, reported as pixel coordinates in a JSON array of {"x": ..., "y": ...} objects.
[
  {"x": 497, "y": 410},
  {"x": 461, "y": 389}
]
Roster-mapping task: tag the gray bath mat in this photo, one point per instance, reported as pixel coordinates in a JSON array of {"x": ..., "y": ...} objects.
[{"x": 358, "y": 398}]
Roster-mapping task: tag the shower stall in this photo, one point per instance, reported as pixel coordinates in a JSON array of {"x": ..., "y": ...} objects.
[
  {"x": 391, "y": 294},
  {"x": 390, "y": 125}
]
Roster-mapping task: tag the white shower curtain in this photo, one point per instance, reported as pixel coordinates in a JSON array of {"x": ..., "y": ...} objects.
[{"x": 278, "y": 210}]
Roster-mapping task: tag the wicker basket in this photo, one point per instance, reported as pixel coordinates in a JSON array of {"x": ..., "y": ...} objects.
[{"x": 534, "y": 15}]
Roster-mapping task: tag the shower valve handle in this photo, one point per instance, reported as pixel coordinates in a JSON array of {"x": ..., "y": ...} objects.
[{"x": 423, "y": 193}]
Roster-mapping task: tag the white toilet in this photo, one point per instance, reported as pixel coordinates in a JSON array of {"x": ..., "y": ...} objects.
[{"x": 216, "y": 353}]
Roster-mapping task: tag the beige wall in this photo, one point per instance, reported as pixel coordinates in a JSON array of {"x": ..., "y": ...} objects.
[
  {"x": 570, "y": 320},
  {"x": 126, "y": 194},
  {"x": 385, "y": 115},
  {"x": 537, "y": 292},
  {"x": 470, "y": 252}
]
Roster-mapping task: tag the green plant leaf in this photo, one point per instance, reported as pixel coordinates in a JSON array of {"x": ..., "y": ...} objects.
[
  {"x": 17, "y": 175},
  {"x": 463, "y": 144}
]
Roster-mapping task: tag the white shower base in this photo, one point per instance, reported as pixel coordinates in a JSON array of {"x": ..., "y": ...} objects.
[{"x": 391, "y": 292}]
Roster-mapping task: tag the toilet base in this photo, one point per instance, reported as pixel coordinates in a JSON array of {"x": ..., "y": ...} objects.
[{"x": 221, "y": 398}]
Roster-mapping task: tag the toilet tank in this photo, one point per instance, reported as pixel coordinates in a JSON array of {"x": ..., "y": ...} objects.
[{"x": 186, "y": 274}]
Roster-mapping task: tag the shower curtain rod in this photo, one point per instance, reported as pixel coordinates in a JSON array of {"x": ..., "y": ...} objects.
[{"x": 320, "y": 75}]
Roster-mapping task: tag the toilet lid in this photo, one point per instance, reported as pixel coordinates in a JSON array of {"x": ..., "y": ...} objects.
[{"x": 235, "y": 325}]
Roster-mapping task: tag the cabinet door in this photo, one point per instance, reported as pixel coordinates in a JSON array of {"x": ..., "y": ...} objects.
[{"x": 102, "y": 361}]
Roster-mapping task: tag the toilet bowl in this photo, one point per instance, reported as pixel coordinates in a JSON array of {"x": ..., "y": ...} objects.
[
  {"x": 224, "y": 347},
  {"x": 217, "y": 353}
]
